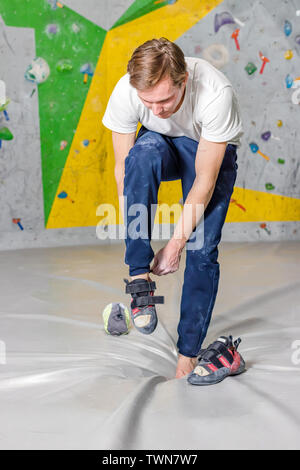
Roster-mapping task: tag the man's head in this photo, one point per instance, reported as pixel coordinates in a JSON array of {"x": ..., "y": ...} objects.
[{"x": 157, "y": 69}]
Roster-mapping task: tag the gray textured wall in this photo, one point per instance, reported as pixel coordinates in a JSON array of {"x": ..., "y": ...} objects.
[
  {"x": 263, "y": 99},
  {"x": 262, "y": 103}
]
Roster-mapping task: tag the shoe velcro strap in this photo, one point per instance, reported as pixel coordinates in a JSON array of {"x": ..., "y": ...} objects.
[
  {"x": 237, "y": 343},
  {"x": 219, "y": 348},
  {"x": 211, "y": 354},
  {"x": 140, "y": 287},
  {"x": 148, "y": 300}
]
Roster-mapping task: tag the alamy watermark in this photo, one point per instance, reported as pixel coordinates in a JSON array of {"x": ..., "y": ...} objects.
[
  {"x": 2, "y": 353},
  {"x": 295, "y": 358},
  {"x": 139, "y": 223}
]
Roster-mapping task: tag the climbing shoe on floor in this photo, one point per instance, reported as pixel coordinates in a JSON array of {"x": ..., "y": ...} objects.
[
  {"x": 143, "y": 312},
  {"x": 217, "y": 362}
]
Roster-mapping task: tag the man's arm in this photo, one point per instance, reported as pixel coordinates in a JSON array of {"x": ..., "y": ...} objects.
[
  {"x": 122, "y": 144},
  {"x": 208, "y": 162},
  {"x": 207, "y": 165}
]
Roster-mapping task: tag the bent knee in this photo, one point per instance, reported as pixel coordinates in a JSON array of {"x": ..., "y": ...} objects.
[{"x": 146, "y": 152}]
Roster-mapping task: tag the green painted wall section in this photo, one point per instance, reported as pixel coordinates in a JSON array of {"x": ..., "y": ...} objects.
[
  {"x": 137, "y": 9},
  {"x": 62, "y": 96}
]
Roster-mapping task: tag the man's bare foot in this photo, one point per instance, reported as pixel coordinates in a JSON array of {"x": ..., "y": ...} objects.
[{"x": 185, "y": 365}]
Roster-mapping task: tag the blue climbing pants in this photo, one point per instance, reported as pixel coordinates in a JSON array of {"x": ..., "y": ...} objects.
[{"x": 155, "y": 158}]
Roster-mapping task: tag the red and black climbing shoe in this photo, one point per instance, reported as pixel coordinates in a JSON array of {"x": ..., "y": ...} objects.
[
  {"x": 217, "y": 362},
  {"x": 143, "y": 311}
]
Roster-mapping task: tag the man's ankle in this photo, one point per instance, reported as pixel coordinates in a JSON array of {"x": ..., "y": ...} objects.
[{"x": 141, "y": 276}]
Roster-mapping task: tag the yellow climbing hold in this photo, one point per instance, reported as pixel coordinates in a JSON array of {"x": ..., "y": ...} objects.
[
  {"x": 279, "y": 123},
  {"x": 289, "y": 54}
]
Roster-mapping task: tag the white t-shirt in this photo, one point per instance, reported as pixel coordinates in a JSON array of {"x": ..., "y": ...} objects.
[{"x": 210, "y": 108}]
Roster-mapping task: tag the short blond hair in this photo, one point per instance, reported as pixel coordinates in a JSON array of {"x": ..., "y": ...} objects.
[{"x": 155, "y": 60}]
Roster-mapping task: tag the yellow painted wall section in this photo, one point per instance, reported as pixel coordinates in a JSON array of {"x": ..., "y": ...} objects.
[
  {"x": 258, "y": 206},
  {"x": 88, "y": 176}
]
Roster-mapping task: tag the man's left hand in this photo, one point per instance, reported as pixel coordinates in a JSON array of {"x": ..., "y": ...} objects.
[{"x": 167, "y": 259}]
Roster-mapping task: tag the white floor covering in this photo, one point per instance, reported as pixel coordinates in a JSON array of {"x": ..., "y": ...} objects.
[{"x": 65, "y": 384}]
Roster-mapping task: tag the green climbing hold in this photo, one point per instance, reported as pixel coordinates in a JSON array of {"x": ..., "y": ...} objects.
[
  {"x": 5, "y": 134},
  {"x": 250, "y": 68},
  {"x": 281, "y": 161},
  {"x": 270, "y": 186},
  {"x": 64, "y": 66},
  {"x": 4, "y": 106}
]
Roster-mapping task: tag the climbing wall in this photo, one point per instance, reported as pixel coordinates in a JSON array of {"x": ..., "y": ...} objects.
[
  {"x": 257, "y": 44},
  {"x": 59, "y": 64}
]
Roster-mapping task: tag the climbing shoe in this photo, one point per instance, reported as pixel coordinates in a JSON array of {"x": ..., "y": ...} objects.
[
  {"x": 143, "y": 312},
  {"x": 217, "y": 362}
]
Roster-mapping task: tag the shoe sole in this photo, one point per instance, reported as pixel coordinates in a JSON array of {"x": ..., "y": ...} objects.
[
  {"x": 241, "y": 369},
  {"x": 145, "y": 331}
]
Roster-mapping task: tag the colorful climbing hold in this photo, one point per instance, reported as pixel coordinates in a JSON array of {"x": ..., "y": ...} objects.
[
  {"x": 255, "y": 149},
  {"x": 264, "y": 61},
  {"x": 197, "y": 49},
  {"x": 281, "y": 161},
  {"x": 239, "y": 22},
  {"x": 87, "y": 70},
  {"x": 18, "y": 222},
  {"x": 64, "y": 195},
  {"x": 289, "y": 81},
  {"x": 287, "y": 27},
  {"x": 52, "y": 4},
  {"x": 234, "y": 36},
  {"x": 2, "y": 93},
  {"x": 269, "y": 186},
  {"x": 52, "y": 29},
  {"x": 279, "y": 123},
  {"x": 288, "y": 54},
  {"x": 63, "y": 144},
  {"x": 264, "y": 227},
  {"x": 4, "y": 106},
  {"x": 238, "y": 205},
  {"x": 86, "y": 142},
  {"x": 217, "y": 55},
  {"x": 38, "y": 71},
  {"x": 223, "y": 18},
  {"x": 5, "y": 134},
  {"x": 75, "y": 28},
  {"x": 250, "y": 68},
  {"x": 266, "y": 135},
  {"x": 297, "y": 39},
  {"x": 64, "y": 65}
]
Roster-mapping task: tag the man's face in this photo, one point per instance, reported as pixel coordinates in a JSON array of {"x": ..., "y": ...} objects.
[{"x": 163, "y": 99}]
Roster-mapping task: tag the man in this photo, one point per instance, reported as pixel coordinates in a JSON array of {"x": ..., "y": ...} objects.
[{"x": 190, "y": 131}]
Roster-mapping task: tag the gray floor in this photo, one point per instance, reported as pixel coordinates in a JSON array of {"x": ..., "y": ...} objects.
[{"x": 65, "y": 384}]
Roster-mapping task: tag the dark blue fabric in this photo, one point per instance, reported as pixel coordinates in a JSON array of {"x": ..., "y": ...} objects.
[{"x": 155, "y": 158}]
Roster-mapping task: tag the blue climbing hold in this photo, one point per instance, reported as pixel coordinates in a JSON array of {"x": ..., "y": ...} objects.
[
  {"x": 287, "y": 28},
  {"x": 253, "y": 147},
  {"x": 289, "y": 81}
]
